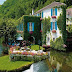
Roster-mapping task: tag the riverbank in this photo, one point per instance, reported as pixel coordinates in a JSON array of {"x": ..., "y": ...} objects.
[{"x": 9, "y": 66}]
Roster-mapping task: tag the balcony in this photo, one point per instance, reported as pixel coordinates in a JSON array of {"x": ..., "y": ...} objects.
[{"x": 53, "y": 31}]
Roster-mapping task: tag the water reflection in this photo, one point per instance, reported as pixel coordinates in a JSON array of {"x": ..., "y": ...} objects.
[
  {"x": 38, "y": 67},
  {"x": 57, "y": 62},
  {"x": 60, "y": 62}
]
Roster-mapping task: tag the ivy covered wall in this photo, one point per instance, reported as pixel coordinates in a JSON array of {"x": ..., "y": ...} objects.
[
  {"x": 61, "y": 22},
  {"x": 46, "y": 27},
  {"x": 37, "y": 27}
]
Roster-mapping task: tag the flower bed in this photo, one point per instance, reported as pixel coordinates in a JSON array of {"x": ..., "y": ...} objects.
[{"x": 26, "y": 55}]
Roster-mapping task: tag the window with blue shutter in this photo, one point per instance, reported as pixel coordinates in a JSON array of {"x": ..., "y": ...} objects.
[
  {"x": 33, "y": 26},
  {"x": 42, "y": 14},
  {"x": 51, "y": 12},
  {"x": 22, "y": 26},
  {"x": 56, "y": 11},
  {"x": 51, "y": 25},
  {"x": 55, "y": 25},
  {"x": 19, "y": 27},
  {"x": 28, "y": 26}
]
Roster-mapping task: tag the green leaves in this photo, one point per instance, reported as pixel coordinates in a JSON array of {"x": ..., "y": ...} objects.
[{"x": 46, "y": 27}]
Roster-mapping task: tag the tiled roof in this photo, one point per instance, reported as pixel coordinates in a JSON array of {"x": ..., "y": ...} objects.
[
  {"x": 69, "y": 11},
  {"x": 53, "y": 4}
]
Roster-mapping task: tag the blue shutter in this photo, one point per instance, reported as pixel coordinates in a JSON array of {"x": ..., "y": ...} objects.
[
  {"x": 38, "y": 14},
  {"x": 32, "y": 26},
  {"x": 51, "y": 12},
  {"x": 51, "y": 25},
  {"x": 56, "y": 11},
  {"x": 42, "y": 14},
  {"x": 19, "y": 27},
  {"x": 55, "y": 25},
  {"x": 28, "y": 26},
  {"x": 22, "y": 26}
]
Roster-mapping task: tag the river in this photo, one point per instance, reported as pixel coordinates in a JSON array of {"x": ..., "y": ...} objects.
[{"x": 57, "y": 62}]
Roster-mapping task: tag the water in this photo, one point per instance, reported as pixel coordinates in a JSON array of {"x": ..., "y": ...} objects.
[
  {"x": 57, "y": 62},
  {"x": 38, "y": 67}
]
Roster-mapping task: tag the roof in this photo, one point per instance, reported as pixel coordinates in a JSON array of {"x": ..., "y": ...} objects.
[
  {"x": 69, "y": 11},
  {"x": 53, "y": 4}
]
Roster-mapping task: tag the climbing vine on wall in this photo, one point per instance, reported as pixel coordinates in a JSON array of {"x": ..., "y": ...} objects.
[
  {"x": 46, "y": 27},
  {"x": 61, "y": 22}
]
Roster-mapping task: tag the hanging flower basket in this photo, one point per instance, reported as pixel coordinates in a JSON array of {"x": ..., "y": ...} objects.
[
  {"x": 31, "y": 32},
  {"x": 41, "y": 18},
  {"x": 54, "y": 31},
  {"x": 40, "y": 30},
  {"x": 53, "y": 16}
]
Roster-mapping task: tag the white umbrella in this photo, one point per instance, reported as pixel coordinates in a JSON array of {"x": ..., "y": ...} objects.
[{"x": 19, "y": 38}]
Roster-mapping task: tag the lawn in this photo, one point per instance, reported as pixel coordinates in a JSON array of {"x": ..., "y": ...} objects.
[
  {"x": 36, "y": 47},
  {"x": 6, "y": 64}
]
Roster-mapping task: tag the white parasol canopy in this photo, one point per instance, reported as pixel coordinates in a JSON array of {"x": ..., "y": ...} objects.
[{"x": 19, "y": 38}]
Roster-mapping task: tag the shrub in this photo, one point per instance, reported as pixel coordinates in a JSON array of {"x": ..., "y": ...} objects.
[{"x": 57, "y": 44}]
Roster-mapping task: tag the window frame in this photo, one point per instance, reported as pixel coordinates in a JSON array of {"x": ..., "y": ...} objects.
[
  {"x": 53, "y": 26},
  {"x": 30, "y": 26}
]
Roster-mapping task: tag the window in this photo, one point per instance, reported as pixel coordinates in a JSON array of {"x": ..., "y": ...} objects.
[
  {"x": 30, "y": 26},
  {"x": 53, "y": 12},
  {"x": 53, "y": 39},
  {"x": 53, "y": 25}
]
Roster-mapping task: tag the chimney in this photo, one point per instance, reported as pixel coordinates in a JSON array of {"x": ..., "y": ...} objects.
[{"x": 32, "y": 11}]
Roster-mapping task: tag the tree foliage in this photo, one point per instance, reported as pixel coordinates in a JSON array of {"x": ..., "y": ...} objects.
[
  {"x": 8, "y": 29},
  {"x": 17, "y": 8}
]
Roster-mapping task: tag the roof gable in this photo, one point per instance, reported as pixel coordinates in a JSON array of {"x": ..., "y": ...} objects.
[{"x": 53, "y": 4}]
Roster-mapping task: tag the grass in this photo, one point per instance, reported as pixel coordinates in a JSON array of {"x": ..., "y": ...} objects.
[
  {"x": 36, "y": 47},
  {"x": 6, "y": 64}
]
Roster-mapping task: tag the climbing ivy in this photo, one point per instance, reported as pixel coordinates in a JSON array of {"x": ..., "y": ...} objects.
[
  {"x": 61, "y": 22},
  {"x": 37, "y": 27},
  {"x": 46, "y": 27}
]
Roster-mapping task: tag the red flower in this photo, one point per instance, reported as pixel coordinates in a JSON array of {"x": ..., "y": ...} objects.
[
  {"x": 31, "y": 32},
  {"x": 53, "y": 16},
  {"x": 40, "y": 30},
  {"x": 54, "y": 31},
  {"x": 41, "y": 18}
]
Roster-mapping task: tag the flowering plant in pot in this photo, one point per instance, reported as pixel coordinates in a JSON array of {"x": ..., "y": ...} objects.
[
  {"x": 31, "y": 32},
  {"x": 53, "y": 16},
  {"x": 54, "y": 31}
]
